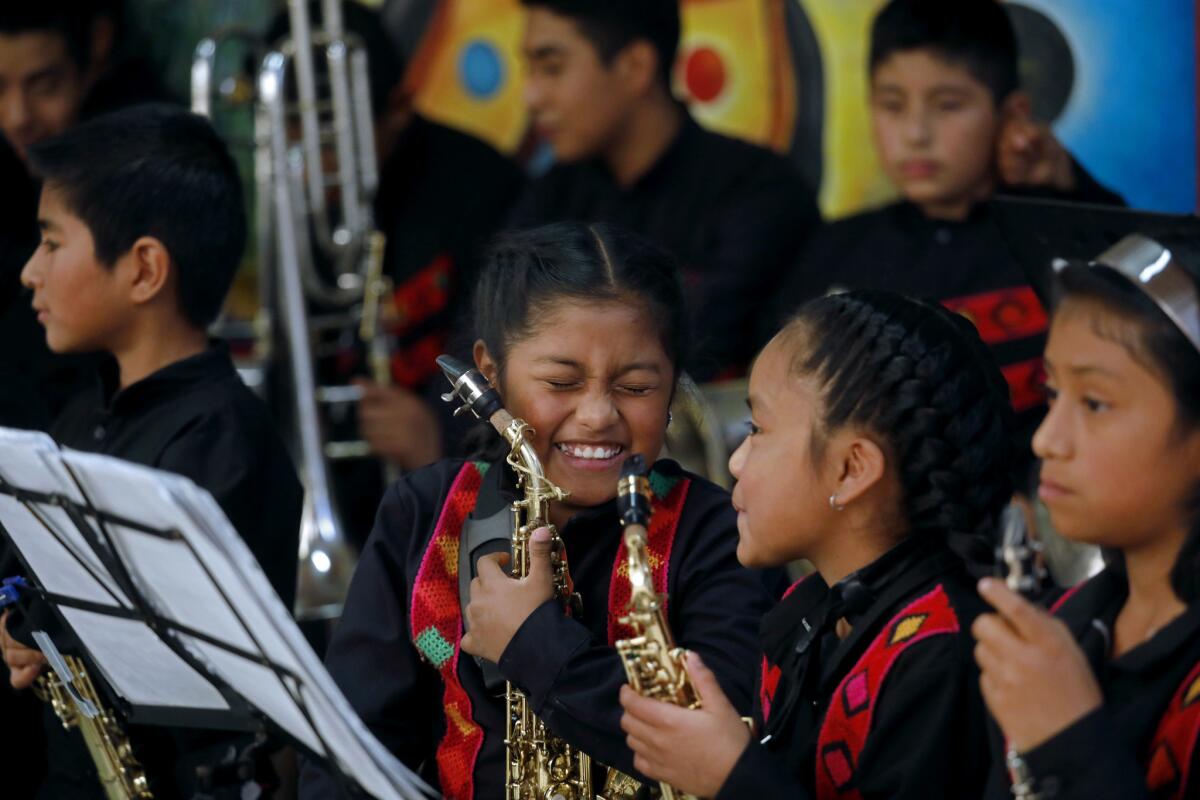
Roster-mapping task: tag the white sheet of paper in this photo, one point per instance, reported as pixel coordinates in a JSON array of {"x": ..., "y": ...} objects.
[
  {"x": 171, "y": 573},
  {"x": 139, "y": 666}
]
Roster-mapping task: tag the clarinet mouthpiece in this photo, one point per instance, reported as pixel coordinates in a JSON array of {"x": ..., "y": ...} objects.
[
  {"x": 452, "y": 368},
  {"x": 469, "y": 387}
]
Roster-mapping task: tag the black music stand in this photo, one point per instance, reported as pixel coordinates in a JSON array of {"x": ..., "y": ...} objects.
[
  {"x": 1039, "y": 231},
  {"x": 172, "y": 611}
]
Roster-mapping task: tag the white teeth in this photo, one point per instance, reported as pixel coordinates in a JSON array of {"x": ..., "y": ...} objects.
[{"x": 587, "y": 451}]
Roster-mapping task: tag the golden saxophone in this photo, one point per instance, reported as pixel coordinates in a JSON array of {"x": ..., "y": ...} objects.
[
  {"x": 121, "y": 775},
  {"x": 538, "y": 765},
  {"x": 654, "y": 664}
]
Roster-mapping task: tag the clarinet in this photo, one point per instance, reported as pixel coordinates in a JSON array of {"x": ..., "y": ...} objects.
[{"x": 1022, "y": 564}]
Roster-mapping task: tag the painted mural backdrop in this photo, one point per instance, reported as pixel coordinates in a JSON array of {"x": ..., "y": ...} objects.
[{"x": 1116, "y": 78}]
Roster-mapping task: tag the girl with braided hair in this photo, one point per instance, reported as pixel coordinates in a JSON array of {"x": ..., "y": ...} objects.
[
  {"x": 1101, "y": 698},
  {"x": 879, "y": 451}
]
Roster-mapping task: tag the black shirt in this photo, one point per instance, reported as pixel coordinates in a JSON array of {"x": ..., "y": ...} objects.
[
  {"x": 733, "y": 214},
  {"x": 927, "y": 735},
  {"x": 441, "y": 194},
  {"x": 1106, "y": 754},
  {"x": 565, "y": 665},
  {"x": 965, "y": 265},
  {"x": 197, "y": 419}
]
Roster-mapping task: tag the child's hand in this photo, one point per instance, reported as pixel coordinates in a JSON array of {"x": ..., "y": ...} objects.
[
  {"x": 399, "y": 425},
  {"x": 500, "y": 604},
  {"x": 693, "y": 750},
  {"x": 24, "y": 663},
  {"x": 1028, "y": 154},
  {"x": 1035, "y": 679}
]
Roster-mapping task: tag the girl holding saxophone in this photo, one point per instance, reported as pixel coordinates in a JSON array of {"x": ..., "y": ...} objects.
[
  {"x": 879, "y": 451},
  {"x": 581, "y": 330}
]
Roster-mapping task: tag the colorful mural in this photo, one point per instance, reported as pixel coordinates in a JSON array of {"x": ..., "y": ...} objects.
[{"x": 1117, "y": 79}]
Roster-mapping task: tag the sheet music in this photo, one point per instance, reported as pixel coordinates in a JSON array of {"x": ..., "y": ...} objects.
[
  {"x": 32, "y": 462},
  {"x": 172, "y": 573}
]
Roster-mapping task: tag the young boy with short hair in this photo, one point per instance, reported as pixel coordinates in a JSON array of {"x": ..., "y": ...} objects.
[
  {"x": 143, "y": 227},
  {"x": 629, "y": 153},
  {"x": 952, "y": 129}
]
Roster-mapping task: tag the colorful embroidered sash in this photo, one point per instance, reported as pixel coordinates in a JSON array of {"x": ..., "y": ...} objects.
[
  {"x": 436, "y": 621},
  {"x": 768, "y": 680},
  {"x": 848, "y": 719},
  {"x": 669, "y": 496},
  {"x": 436, "y": 618},
  {"x": 1174, "y": 745}
]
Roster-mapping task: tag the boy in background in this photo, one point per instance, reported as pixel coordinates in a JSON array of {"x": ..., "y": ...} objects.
[
  {"x": 629, "y": 153},
  {"x": 952, "y": 129},
  {"x": 143, "y": 227}
]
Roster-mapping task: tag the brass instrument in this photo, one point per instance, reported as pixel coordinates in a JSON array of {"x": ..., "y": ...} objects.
[
  {"x": 538, "y": 765},
  {"x": 315, "y": 180},
  {"x": 121, "y": 775},
  {"x": 655, "y": 665}
]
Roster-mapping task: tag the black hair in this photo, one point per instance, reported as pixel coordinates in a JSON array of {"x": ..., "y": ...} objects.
[
  {"x": 612, "y": 25},
  {"x": 71, "y": 19},
  {"x": 154, "y": 170},
  {"x": 526, "y": 270},
  {"x": 976, "y": 34},
  {"x": 918, "y": 376},
  {"x": 1160, "y": 346}
]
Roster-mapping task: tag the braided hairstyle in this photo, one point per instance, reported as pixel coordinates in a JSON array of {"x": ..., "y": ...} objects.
[{"x": 919, "y": 377}]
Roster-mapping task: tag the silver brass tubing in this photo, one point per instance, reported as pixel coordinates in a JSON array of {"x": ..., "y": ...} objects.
[
  {"x": 202, "y": 72},
  {"x": 365, "y": 126},
  {"x": 306, "y": 83},
  {"x": 320, "y": 587}
]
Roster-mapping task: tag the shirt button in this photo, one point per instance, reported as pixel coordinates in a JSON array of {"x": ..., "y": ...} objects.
[{"x": 99, "y": 432}]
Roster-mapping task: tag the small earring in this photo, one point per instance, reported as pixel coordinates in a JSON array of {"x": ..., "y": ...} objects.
[
  {"x": 834, "y": 504},
  {"x": 670, "y": 417}
]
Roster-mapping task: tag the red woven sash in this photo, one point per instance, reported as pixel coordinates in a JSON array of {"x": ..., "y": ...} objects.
[{"x": 848, "y": 719}]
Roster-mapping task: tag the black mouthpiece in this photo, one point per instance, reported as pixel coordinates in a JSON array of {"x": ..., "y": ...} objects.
[
  {"x": 452, "y": 368},
  {"x": 634, "y": 465},
  {"x": 469, "y": 387},
  {"x": 633, "y": 492}
]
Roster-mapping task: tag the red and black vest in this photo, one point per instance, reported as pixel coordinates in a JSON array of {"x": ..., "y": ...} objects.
[
  {"x": 847, "y": 721},
  {"x": 436, "y": 615}
]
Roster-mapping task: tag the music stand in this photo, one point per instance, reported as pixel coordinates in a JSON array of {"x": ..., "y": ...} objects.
[
  {"x": 1039, "y": 231},
  {"x": 173, "y": 611}
]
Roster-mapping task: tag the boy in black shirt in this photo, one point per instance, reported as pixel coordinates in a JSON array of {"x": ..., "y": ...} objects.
[
  {"x": 142, "y": 228},
  {"x": 733, "y": 214},
  {"x": 951, "y": 128}
]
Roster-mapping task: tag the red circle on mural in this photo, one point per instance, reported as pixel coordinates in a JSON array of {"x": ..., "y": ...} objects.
[{"x": 704, "y": 74}]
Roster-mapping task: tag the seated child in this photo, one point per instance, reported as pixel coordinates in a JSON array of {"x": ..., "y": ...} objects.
[
  {"x": 879, "y": 451},
  {"x": 142, "y": 229},
  {"x": 1100, "y": 700},
  {"x": 582, "y": 331},
  {"x": 951, "y": 128}
]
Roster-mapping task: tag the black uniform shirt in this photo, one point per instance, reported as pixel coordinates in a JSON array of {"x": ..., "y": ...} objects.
[
  {"x": 568, "y": 670},
  {"x": 733, "y": 214},
  {"x": 966, "y": 265},
  {"x": 197, "y": 419},
  {"x": 1105, "y": 755},
  {"x": 928, "y": 735}
]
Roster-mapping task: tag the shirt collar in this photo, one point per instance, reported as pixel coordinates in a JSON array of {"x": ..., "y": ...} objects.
[
  {"x": 661, "y": 169},
  {"x": 1092, "y": 613},
  {"x": 212, "y": 363}
]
